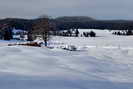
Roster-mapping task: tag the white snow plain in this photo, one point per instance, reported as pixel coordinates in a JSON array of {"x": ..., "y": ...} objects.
[{"x": 104, "y": 62}]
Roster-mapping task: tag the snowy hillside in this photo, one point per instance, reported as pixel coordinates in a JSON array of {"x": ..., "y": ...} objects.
[
  {"x": 37, "y": 68},
  {"x": 104, "y": 62}
]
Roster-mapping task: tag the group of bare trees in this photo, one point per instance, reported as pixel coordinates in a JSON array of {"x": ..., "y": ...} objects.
[
  {"x": 123, "y": 32},
  {"x": 40, "y": 28},
  {"x": 5, "y": 32},
  {"x": 76, "y": 33},
  {"x": 89, "y": 34},
  {"x": 69, "y": 33}
]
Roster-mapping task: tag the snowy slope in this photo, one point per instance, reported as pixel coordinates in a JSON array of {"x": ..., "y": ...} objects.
[
  {"x": 98, "y": 67},
  {"x": 42, "y": 68}
]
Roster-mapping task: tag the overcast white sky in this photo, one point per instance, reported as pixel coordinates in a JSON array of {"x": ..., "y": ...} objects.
[{"x": 100, "y": 9}]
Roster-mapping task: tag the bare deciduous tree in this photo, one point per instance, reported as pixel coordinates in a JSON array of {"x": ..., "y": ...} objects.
[{"x": 41, "y": 27}]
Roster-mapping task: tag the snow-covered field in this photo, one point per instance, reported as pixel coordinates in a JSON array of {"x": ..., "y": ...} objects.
[
  {"x": 104, "y": 39},
  {"x": 104, "y": 62}
]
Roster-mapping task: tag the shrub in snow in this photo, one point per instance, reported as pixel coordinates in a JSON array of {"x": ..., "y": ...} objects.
[
  {"x": 129, "y": 32},
  {"x": 124, "y": 32},
  {"x": 8, "y": 35},
  {"x": 76, "y": 33},
  {"x": 70, "y": 48},
  {"x": 92, "y": 34},
  {"x": 86, "y": 34}
]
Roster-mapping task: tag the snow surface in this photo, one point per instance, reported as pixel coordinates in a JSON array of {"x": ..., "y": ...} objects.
[
  {"x": 104, "y": 39},
  {"x": 96, "y": 65}
]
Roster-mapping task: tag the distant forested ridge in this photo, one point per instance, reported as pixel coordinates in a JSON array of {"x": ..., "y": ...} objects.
[
  {"x": 90, "y": 23},
  {"x": 70, "y": 22}
]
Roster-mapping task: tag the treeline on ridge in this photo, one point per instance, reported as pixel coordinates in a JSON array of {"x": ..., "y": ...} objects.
[{"x": 71, "y": 22}]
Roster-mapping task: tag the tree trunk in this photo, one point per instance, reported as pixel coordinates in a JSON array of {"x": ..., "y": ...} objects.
[{"x": 30, "y": 37}]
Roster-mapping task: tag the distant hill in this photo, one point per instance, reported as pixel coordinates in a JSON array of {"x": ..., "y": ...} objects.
[
  {"x": 68, "y": 22},
  {"x": 74, "y": 19},
  {"x": 17, "y": 23},
  {"x": 90, "y": 23}
]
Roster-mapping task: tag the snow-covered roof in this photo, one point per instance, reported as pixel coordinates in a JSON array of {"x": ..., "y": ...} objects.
[{"x": 18, "y": 30}]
